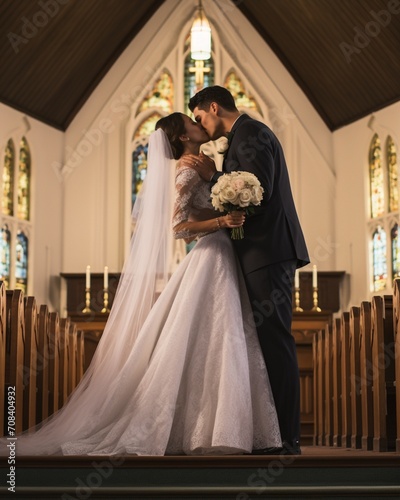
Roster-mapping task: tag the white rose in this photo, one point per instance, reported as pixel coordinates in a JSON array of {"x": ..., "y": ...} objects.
[
  {"x": 229, "y": 196},
  {"x": 258, "y": 194},
  {"x": 238, "y": 184},
  {"x": 244, "y": 198},
  {"x": 216, "y": 203}
]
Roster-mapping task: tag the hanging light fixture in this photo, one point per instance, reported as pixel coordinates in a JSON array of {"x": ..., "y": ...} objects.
[{"x": 200, "y": 36}]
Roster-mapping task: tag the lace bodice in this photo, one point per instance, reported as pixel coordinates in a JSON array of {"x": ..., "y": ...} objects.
[{"x": 192, "y": 202}]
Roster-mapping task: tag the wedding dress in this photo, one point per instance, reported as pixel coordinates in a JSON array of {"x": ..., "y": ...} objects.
[{"x": 193, "y": 381}]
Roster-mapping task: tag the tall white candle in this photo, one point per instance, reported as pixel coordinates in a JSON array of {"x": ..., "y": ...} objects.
[
  {"x": 87, "y": 276},
  {"x": 314, "y": 276},
  {"x": 296, "y": 279},
  {"x": 106, "y": 277}
]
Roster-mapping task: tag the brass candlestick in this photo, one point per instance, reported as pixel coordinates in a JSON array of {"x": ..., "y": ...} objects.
[
  {"x": 315, "y": 300},
  {"x": 297, "y": 300},
  {"x": 87, "y": 309},
  {"x": 105, "y": 301}
]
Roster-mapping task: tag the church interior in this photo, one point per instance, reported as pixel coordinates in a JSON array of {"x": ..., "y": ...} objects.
[{"x": 82, "y": 86}]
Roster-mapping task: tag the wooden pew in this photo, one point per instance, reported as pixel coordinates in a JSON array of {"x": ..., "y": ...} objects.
[
  {"x": 29, "y": 369},
  {"x": 328, "y": 386},
  {"x": 15, "y": 355},
  {"x": 383, "y": 373},
  {"x": 355, "y": 375},
  {"x": 73, "y": 357},
  {"x": 346, "y": 380},
  {"x": 318, "y": 375},
  {"x": 80, "y": 356},
  {"x": 367, "y": 407},
  {"x": 396, "y": 331},
  {"x": 3, "y": 333},
  {"x": 54, "y": 362},
  {"x": 64, "y": 361},
  {"x": 42, "y": 377},
  {"x": 337, "y": 382}
]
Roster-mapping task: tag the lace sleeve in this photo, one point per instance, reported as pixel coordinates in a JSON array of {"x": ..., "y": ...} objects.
[{"x": 185, "y": 183}]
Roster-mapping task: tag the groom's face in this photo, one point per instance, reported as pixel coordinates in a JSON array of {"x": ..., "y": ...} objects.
[{"x": 210, "y": 121}]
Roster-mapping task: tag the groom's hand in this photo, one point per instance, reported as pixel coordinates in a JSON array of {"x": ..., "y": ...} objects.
[{"x": 203, "y": 165}]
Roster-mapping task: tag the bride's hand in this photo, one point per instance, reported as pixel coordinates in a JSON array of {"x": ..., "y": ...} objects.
[
  {"x": 203, "y": 165},
  {"x": 233, "y": 219}
]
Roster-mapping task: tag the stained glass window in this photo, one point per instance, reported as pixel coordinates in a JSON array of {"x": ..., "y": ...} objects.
[
  {"x": 379, "y": 259},
  {"x": 161, "y": 96},
  {"x": 5, "y": 260},
  {"x": 395, "y": 241},
  {"x": 242, "y": 98},
  {"x": 191, "y": 87},
  {"x": 392, "y": 173},
  {"x": 147, "y": 126},
  {"x": 139, "y": 169},
  {"x": 24, "y": 178},
  {"x": 8, "y": 179},
  {"x": 21, "y": 262},
  {"x": 376, "y": 178}
]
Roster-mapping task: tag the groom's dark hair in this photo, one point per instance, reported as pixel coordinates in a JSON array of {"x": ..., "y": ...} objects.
[{"x": 206, "y": 96}]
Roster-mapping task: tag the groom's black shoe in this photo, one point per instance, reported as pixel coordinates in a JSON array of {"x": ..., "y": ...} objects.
[{"x": 286, "y": 449}]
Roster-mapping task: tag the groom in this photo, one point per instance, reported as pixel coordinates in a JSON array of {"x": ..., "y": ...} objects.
[{"x": 272, "y": 248}]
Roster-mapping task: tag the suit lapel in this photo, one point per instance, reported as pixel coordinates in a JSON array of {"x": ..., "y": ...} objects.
[{"x": 231, "y": 134}]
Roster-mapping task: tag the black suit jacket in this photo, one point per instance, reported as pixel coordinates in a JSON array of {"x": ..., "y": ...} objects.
[{"x": 273, "y": 234}]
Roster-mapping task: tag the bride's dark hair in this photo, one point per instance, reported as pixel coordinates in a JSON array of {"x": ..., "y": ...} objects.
[{"x": 174, "y": 126}]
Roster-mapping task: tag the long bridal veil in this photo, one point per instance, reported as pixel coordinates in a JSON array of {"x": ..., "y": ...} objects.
[{"x": 90, "y": 406}]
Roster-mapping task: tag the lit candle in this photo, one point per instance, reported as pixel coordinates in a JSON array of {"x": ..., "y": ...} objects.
[
  {"x": 314, "y": 276},
  {"x": 296, "y": 279},
  {"x": 87, "y": 276},
  {"x": 106, "y": 277}
]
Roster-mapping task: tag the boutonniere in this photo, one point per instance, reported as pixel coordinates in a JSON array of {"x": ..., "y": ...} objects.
[{"x": 222, "y": 145}]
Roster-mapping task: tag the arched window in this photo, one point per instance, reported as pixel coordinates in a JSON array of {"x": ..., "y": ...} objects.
[
  {"x": 161, "y": 96},
  {"x": 384, "y": 210},
  {"x": 157, "y": 103},
  {"x": 379, "y": 259},
  {"x": 376, "y": 178},
  {"x": 139, "y": 168},
  {"x": 15, "y": 215},
  {"x": 21, "y": 261},
  {"x": 5, "y": 255},
  {"x": 197, "y": 74},
  {"x": 395, "y": 245},
  {"x": 243, "y": 99},
  {"x": 8, "y": 179},
  {"x": 24, "y": 180},
  {"x": 391, "y": 154}
]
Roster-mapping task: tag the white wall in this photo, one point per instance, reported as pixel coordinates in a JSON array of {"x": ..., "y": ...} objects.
[
  {"x": 351, "y": 149},
  {"x": 46, "y": 146}
]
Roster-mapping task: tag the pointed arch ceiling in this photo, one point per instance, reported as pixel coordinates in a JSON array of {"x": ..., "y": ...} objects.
[{"x": 343, "y": 54}]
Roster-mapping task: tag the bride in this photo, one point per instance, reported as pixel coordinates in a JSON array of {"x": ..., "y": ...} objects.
[{"x": 182, "y": 374}]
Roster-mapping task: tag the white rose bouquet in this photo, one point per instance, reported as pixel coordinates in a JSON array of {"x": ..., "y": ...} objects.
[{"x": 237, "y": 191}]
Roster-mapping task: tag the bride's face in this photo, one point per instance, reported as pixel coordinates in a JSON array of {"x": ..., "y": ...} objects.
[{"x": 195, "y": 131}]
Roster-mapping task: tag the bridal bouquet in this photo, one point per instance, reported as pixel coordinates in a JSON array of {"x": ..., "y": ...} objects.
[{"x": 237, "y": 191}]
